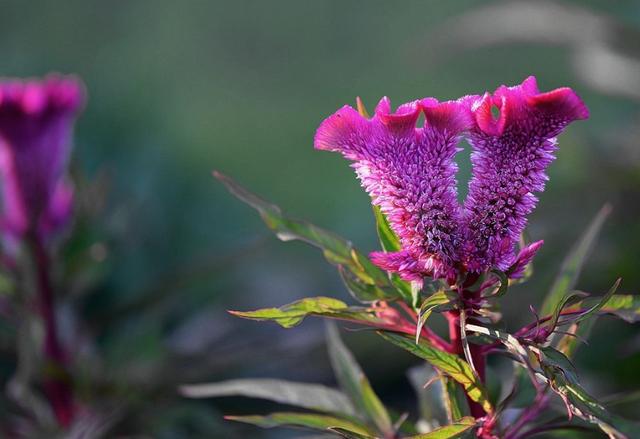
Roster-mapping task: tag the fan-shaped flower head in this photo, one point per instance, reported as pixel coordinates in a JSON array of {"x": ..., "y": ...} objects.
[
  {"x": 510, "y": 155},
  {"x": 410, "y": 174},
  {"x": 36, "y": 120}
]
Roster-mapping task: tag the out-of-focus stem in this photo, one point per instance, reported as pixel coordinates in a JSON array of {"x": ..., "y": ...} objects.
[
  {"x": 529, "y": 414},
  {"x": 57, "y": 385}
]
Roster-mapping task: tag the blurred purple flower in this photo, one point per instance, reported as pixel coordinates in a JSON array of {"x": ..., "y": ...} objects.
[
  {"x": 510, "y": 155},
  {"x": 36, "y": 121},
  {"x": 410, "y": 174}
]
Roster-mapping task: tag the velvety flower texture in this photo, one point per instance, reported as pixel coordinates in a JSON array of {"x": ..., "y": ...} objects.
[
  {"x": 410, "y": 173},
  {"x": 36, "y": 121}
]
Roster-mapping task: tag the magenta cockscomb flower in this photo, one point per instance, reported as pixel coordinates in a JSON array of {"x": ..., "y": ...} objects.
[
  {"x": 36, "y": 120},
  {"x": 410, "y": 174},
  {"x": 510, "y": 155}
]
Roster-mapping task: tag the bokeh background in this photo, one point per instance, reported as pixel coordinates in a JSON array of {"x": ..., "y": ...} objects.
[{"x": 178, "y": 89}]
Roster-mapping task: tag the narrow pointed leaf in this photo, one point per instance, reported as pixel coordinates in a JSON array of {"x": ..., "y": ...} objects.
[
  {"x": 451, "y": 431},
  {"x": 388, "y": 239},
  {"x": 452, "y": 400},
  {"x": 603, "y": 301},
  {"x": 292, "y": 314},
  {"x": 450, "y": 364},
  {"x": 305, "y": 395},
  {"x": 574, "y": 261},
  {"x": 355, "y": 384},
  {"x": 336, "y": 250},
  {"x": 305, "y": 420}
]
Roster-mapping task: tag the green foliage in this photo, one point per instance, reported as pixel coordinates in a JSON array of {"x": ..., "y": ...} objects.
[
  {"x": 450, "y": 364},
  {"x": 292, "y": 314},
  {"x": 355, "y": 384},
  {"x": 451, "y": 431},
  {"x": 308, "y": 420},
  {"x": 310, "y": 396},
  {"x": 572, "y": 265},
  {"x": 374, "y": 283}
]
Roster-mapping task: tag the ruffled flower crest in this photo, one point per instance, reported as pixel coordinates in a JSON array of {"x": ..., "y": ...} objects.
[
  {"x": 410, "y": 174},
  {"x": 510, "y": 155}
]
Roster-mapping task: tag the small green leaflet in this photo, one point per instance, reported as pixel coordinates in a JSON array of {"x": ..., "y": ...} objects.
[
  {"x": 388, "y": 239},
  {"x": 292, "y": 314},
  {"x": 355, "y": 384},
  {"x": 603, "y": 301},
  {"x": 305, "y": 395},
  {"x": 450, "y": 364},
  {"x": 390, "y": 243},
  {"x": 308, "y": 420},
  {"x": 449, "y": 431},
  {"x": 337, "y": 250},
  {"x": 572, "y": 264}
]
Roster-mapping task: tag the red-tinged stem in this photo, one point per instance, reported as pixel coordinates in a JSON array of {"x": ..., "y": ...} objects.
[{"x": 56, "y": 384}]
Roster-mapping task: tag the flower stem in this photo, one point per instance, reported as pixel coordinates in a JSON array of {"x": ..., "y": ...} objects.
[{"x": 57, "y": 385}]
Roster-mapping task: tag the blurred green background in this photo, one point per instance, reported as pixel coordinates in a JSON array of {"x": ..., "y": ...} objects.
[{"x": 178, "y": 89}]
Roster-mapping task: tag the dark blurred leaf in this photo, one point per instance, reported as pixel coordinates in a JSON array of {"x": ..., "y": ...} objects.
[
  {"x": 455, "y": 430},
  {"x": 355, "y": 384},
  {"x": 293, "y": 313},
  {"x": 573, "y": 262},
  {"x": 305, "y": 395},
  {"x": 308, "y": 420},
  {"x": 450, "y": 364},
  {"x": 553, "y": 358},
  {"x": 337, "y": 250}
]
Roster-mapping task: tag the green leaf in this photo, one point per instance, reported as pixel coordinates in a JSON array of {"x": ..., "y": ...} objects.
[
  {"x": 308, "y": 420},
  {"x": 451, "y": 431},
  {"x": 504, "y": 283},
  {"x": 309, "y": 396},
  {"x": 361, "y": 291},
  {"x": 566, "y": 301},
  {"x": 388, "y": 239},
  {"x": 572, "y": 264},
  {"x": 355, "y": 384},
  {"x": 581, "y": 404},
  {"x": 450, "y": 364},
  {"x": 598, "y": 306},
  {"x": 347, "y": 434},
  {"x": 336, "y": 250},
  {"x": 625, "y": 306},
  {"x": 292, "y": 314},
  {"x": 451, "y": 399},
  {"x": 431, "y": 303}
]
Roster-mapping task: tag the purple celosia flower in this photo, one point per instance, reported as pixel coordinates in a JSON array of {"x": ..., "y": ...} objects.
[
  {"x": 510, "y": 155},
  {"x": 36, "y": 120},
  {"x": 410, "y": 173}
]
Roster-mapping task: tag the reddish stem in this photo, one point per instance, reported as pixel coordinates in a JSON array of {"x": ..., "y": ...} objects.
[{"x": 56, "y": 383}]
